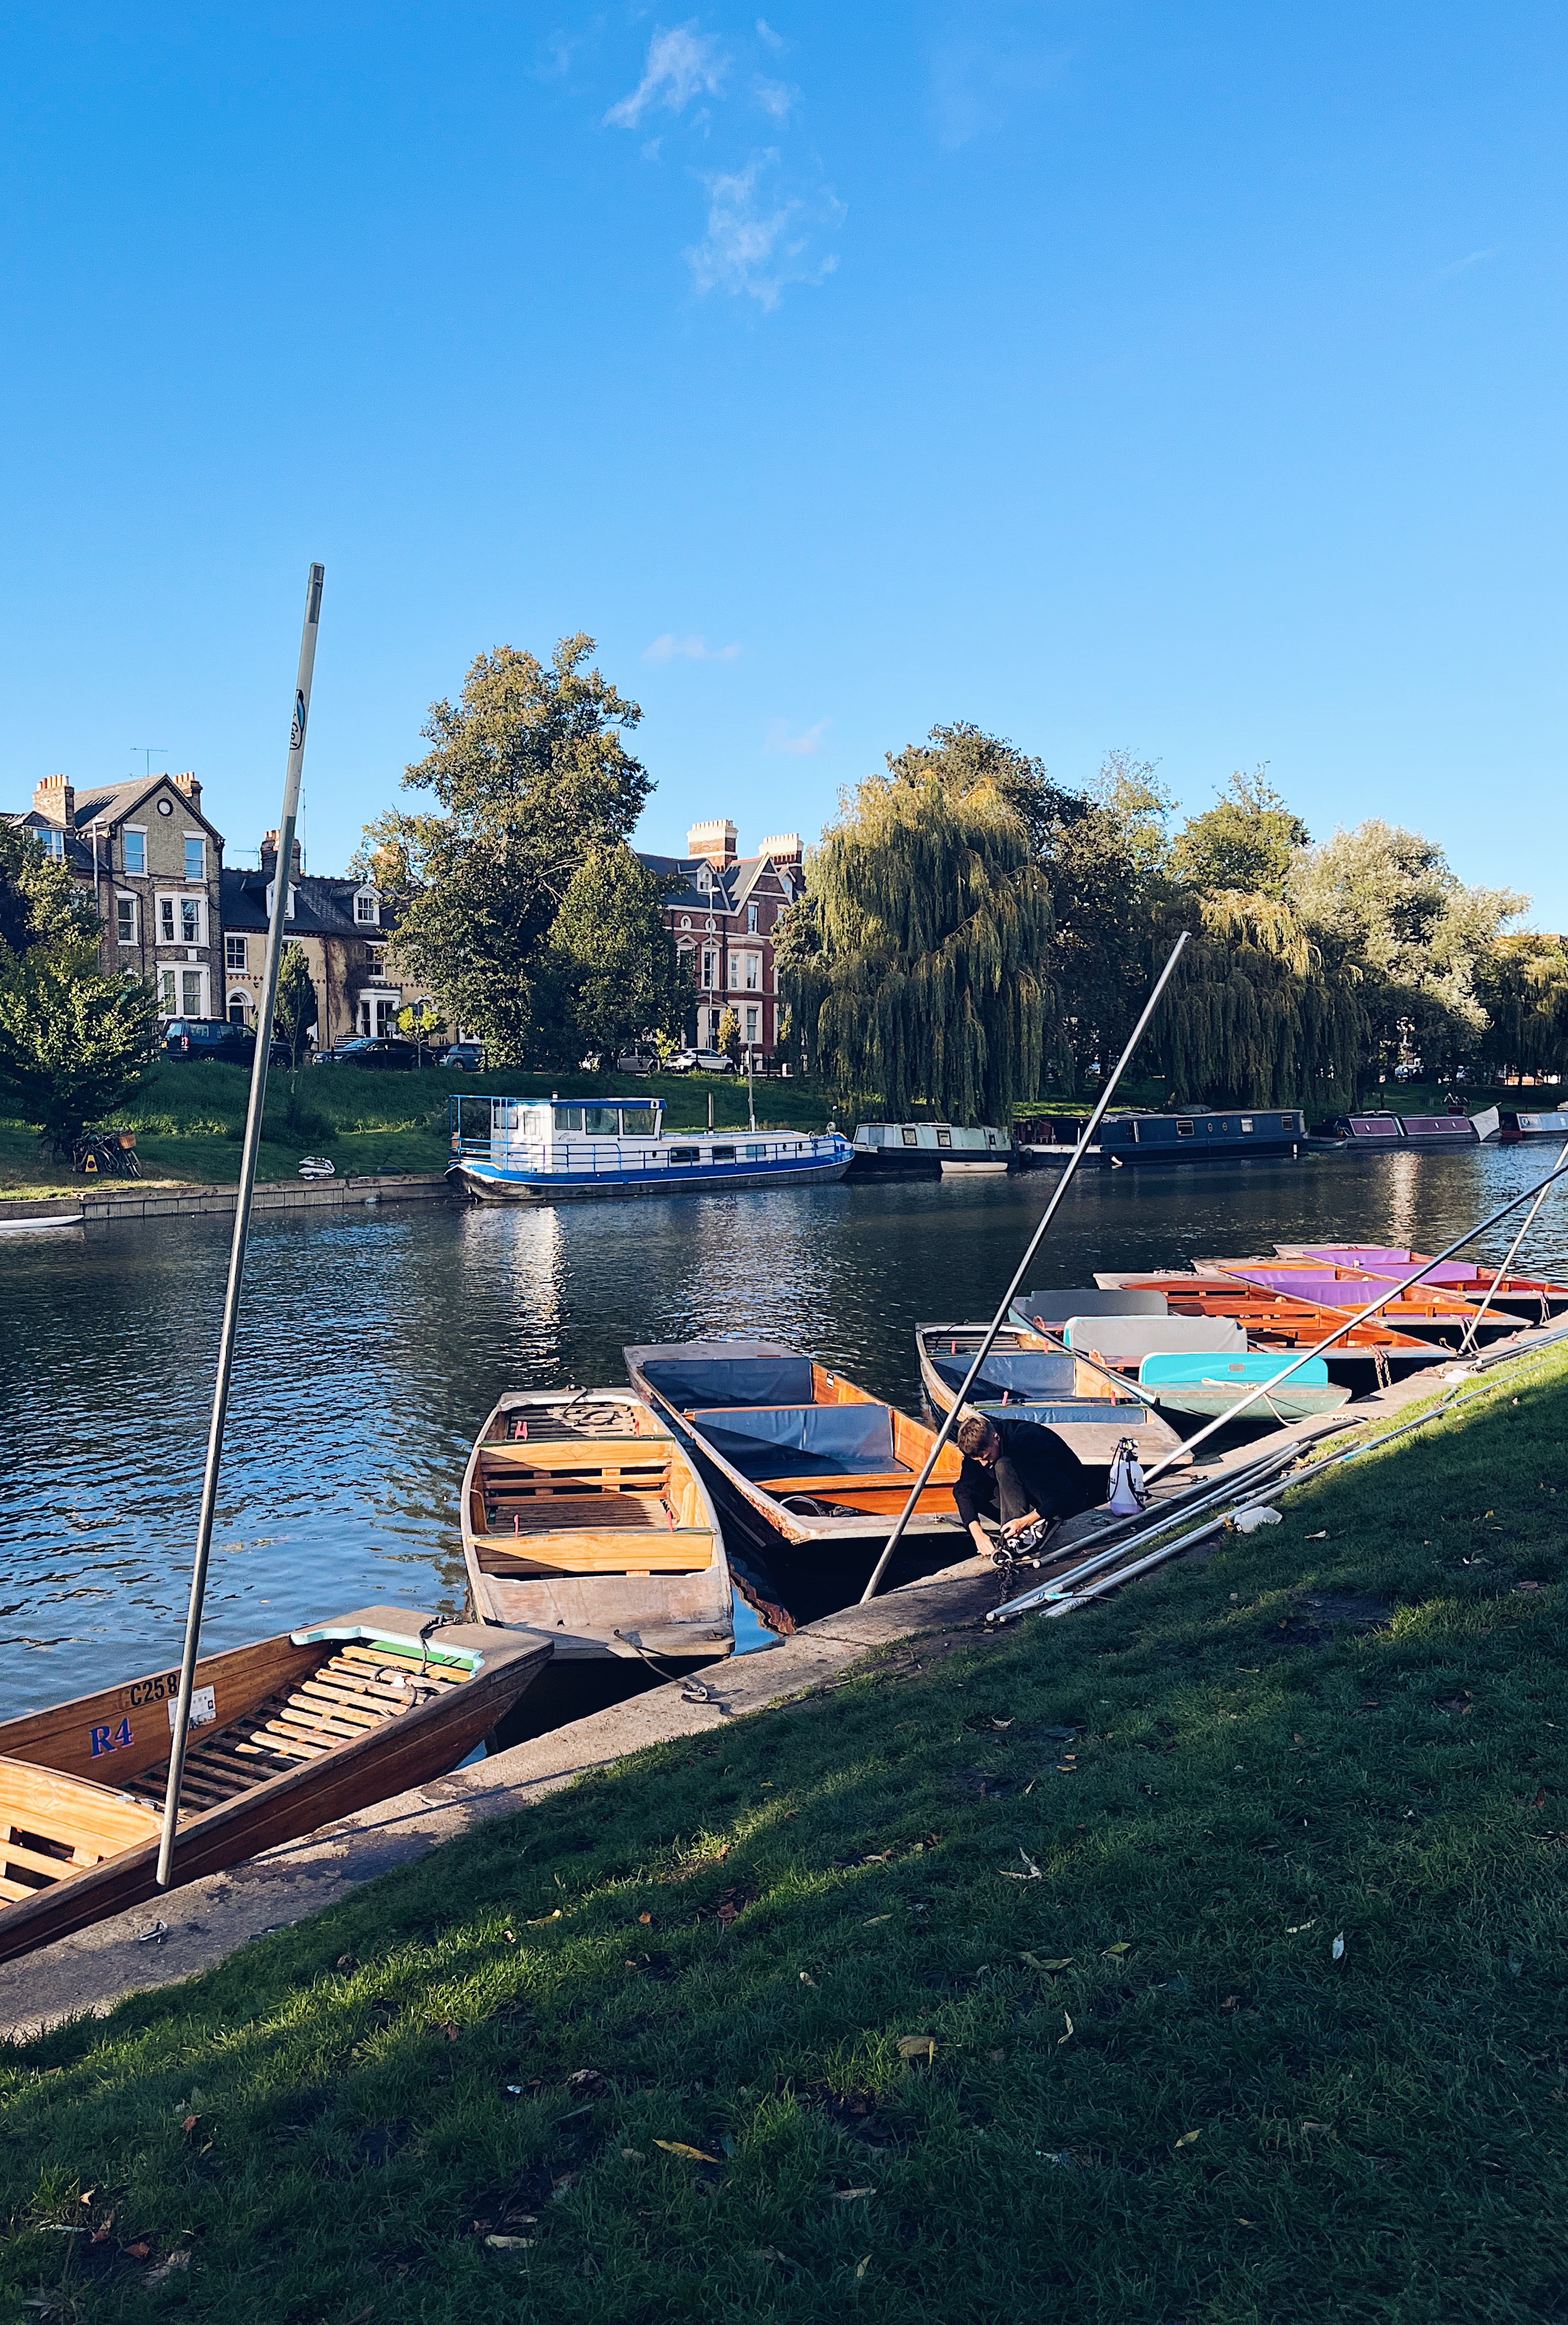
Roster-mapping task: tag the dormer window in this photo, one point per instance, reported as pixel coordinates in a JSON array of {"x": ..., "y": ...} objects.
[
  {"x": 366, "y": 907},
  {"x": 53, "y": 841},
  {"x": 292, "y": 904}
]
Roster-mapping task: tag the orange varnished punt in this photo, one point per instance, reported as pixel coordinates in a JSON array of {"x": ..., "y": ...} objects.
[{"x": 1366, "y": 1352}]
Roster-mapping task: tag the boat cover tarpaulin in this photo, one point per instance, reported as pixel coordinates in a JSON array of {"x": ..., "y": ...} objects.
[
  {"x": 1029, "y": 1374},
  {"x": 1393, "y": 1265},
  {"x": 1147, "y": 1336},
  {"x": 1056, "y": 1307},
  {"x": 688, "y": 1381},
  {"x": 1172, "y": 1371},
  {"x": 1323, "y": 1290},
  {"x": 826, "y": 1439}
]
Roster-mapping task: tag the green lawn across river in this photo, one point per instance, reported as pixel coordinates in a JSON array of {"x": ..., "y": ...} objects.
[{"x": 1198, "y": 1960}]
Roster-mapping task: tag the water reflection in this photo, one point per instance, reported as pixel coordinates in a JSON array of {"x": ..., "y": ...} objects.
[{"x": 374, "y": 1342}]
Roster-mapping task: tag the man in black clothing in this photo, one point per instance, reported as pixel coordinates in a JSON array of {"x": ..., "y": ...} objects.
[{"x": 1019, "y": 1472}]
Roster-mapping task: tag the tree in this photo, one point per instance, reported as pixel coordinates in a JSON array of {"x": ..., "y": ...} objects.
[
  {"x": 918, "y": 967},
  {"x": 1254, "y": 1015},
  {"x": 1247, "y": 842},
  {"x": 530, "y": 776},
  {"x": 623, "y": 981},
  {"x": 1522, "y": 983},
  {"x": 295, "y": 1009},
  {"x": 729, "y": 1037},
  {"x": 419, "y": 1021},
  {"x": 1106, "y": 859},
  {"x": 74, "y": 1042}
]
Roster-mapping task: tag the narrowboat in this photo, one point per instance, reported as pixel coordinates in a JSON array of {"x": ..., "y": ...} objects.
[
  {"x": 1535, "y": 1126},
  {"x": 813, "y": 1460},
  {"x": 1388, "y": 1133},
  {"x": 1366, "y": 1357},
  {"x": 1199, "y": 1135},
  {"x": 557, "y": 1151},
  {"x": 1090, "y": 1408},
  {"x": 927, "y": 1150},
  {"x": 585, "y": 1522},
  {"x": 285, "y": 1734}
]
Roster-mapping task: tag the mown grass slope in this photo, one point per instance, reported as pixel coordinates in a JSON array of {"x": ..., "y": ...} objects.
[{"x": 1198, "y": 1958}]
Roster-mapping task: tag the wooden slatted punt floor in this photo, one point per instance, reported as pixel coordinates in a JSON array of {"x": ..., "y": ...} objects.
[{"x": 50, "y": 1827}]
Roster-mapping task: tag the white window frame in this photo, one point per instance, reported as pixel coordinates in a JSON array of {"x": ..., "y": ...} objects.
[
  {"x": 751, "y": 928},
  {"x": 192, "y": 908},
  {"x": 129, "y": 832},
  {"x": 168, "y": 993},
  {"x": 195, "y": 840},
  {"x": 166, "y": 913},
  {"x": 753, "y": 1021},
  {"x": 710, "y": 967},
  {"x": 363, "y": 919},
  {"x": 184, "y": 972},
  {"x": 292, "y": 904},
  {"x": 125, "y": 904},
  {"x": 240, "y": 968}
]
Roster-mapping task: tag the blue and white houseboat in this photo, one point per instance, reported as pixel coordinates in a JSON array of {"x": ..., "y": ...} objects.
[
  {"x": 929, "y": 1150},
  {"x": 566, "y": 1150}
]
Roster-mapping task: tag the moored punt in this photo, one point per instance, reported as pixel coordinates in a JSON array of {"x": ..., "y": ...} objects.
[
  {"x": 1519, "y": 1295},
  {"x": 554, "y": 1150},
  {"x": 1366, "y": 1356},
  {"x": 927, "y": 1150},
  {"x": 1091, "y": 1409},
  {"x": 584, "y": 1522},
  {"x": 285, "y": 1734},
  {"x": 1428, "y": 1311},
  {"x": 816, "y": 1459},
  {"x": 1044, "y": 1310},
  {"x": 1208, "y": 1386}
]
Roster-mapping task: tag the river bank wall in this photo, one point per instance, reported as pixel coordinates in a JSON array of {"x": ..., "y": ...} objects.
[{"x": 102, "y": 1206}]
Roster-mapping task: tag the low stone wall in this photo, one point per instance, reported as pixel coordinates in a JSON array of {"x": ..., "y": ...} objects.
[{"x": 96, "y": 1204}]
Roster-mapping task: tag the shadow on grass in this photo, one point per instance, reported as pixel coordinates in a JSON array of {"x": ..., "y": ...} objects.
[{"x": 1233, "y": 1909}]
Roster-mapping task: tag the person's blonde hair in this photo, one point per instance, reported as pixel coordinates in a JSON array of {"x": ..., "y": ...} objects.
[{"x": 974, "y": 1431}]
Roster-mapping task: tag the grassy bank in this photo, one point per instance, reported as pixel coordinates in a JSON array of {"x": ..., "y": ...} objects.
[
  {"x": 188, "y": 1118},
  {"x": 1274, "y": 2033}
]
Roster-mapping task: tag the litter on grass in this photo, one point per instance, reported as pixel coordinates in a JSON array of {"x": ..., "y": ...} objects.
[{"x": 1031, "y": 1873}]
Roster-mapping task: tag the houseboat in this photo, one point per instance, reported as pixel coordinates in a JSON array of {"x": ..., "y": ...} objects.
[
  {"x": 571, "y": 1150},
  {"x": 927, "y": 1150},
  {"x": 1535, "y": 1126},
  {"x": 1388, "y": 1133}
]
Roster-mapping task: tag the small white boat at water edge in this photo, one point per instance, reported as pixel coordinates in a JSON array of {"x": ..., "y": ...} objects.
[
  {"x": 569, "y": 1150},
  {"x": 57, "y": 1223}
]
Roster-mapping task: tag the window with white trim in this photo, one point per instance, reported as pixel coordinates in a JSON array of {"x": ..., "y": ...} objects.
[
  {"x": 367, "y": 908},
  {"x": 235, "y": 954},
  {"x": 133, "y": 850},
  {"x": 125, "y": 920},
  {"x": 167, "y": 1000},
  {"x": 192, "y": 992},
  {"x": 751, "y": 1015},
  {"x": 238, "y": 1003},
  {"x": 751, "y": 920},
  {"x": 710, "y": 966},
  {"x": 166, "y": 919},
  {"x": 195, "y": 856},
  {"x": 53, "y": 839},
  {"x": 190, "y": 919}
]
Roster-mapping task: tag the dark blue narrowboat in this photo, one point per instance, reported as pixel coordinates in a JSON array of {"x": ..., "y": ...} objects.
[{"x": 1199, "y": 1136}]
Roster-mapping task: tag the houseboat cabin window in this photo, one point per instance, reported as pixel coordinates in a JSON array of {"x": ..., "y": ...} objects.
[
  {"x": 1287, "y": 1121},
  {"x": 569, "y": 1118},
  {"x": 911, "y": 1137},
  {"x": 602, "y": 1121},
  {"x": 1186, "y": 1130},
  {"x": 639, "y": 1121},
  {"x": 756, "y": 1153},
  {"x": 724, "y": 1153},
  {"x": 686, "y": 1153},
  {"x": 944, "y": 1138},
  {"x": 1246, "y": 1122}
]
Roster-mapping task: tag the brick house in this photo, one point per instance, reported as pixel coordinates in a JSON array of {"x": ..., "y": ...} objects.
[
  {"x": 153, "y": 865},
  {"x": 344, "y": 929},
  {"x": 722, "y": 918}
]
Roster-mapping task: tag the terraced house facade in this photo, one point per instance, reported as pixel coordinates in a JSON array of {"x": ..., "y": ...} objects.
[{"x": 722, "y": 917}]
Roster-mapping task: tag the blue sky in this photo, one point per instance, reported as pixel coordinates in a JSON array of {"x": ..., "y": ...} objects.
[{"x": 1185, "y": 379}]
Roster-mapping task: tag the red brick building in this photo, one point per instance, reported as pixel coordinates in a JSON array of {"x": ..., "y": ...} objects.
[{"x": 722, "y": 919}]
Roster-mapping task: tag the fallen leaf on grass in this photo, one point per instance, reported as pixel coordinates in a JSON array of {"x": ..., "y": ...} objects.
[
  {"x": 544, "y": 1918},
  {"x": 679, "y": 2147},
  {"x": 587, "y": 2083},
  {"x": 507, "y": 2244},
  {"x": 511, "y": 1936},
  {"x": 191, "y": 2123},
  {"x": 1061, "y": 1961},
  {"x": 1316, "y": 1537},
  {"x": 138, "y": 2251},
  {"x": 874, "y": 1920},
  {"x": 1187, "y": 2138},
  {"x": 807, "y": 1978},
  {"x": 917, "y": 2046},
  {"x": 101, "y": 2234},
  {"x": 1337, "y": 1951},
  {"x": 851, "y": 2195},
  {"x": 1121, "y": 1947},
  {"x": 861, "y": 2267},
  {"x": 87, "y": 2195},
  {"x": 1540, "y": 1800},
  {"x": 1033, "y": 1872},
  {"x": 167, "y": 2268},
  {"x": 1070, "y": 2031},
  {"x": 646, "y": 1919}
]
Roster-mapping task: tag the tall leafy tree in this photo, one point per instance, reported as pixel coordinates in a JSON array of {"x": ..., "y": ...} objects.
[
  {"x": 530, "y": 775},
  {"x": 617, "y": 960},
  {"x": 295, "y": 1009},
  {"x": 1247, "y": 842},
  {"x": 1105, "y": 854},
  {"x": 1522, "y": 983},
  {"x": 918, "y": 969}
]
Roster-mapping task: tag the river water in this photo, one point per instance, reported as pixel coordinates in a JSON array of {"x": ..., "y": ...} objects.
[{"x": 374, "y": 1342}]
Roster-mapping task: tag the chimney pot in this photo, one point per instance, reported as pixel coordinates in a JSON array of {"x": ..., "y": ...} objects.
[
  {"x": 715, "y": 840},
  {"x": 784, "y": 847},
  {"x": 190, "y": 786}
]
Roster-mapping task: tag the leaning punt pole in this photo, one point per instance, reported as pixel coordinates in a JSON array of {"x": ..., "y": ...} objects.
[
  {"x": 950, "y": 1419},
  {"x": 179, "y": 1713},
  {"x": 1473, "y": 1327}
]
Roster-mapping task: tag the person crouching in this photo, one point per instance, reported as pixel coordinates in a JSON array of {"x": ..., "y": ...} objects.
[{"x": 1017, "y": 1473}]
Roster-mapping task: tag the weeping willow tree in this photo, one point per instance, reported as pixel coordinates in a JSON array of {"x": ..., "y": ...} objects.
[
  {"x": 1255, "y": 1014},
  {"x": 914, "y": 970},
  {"x": 1522, "y": 982}
]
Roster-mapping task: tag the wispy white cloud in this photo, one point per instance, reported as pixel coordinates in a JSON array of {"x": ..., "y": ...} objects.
[
  {"x": 767, "y": 37},
  {"x": 682, "y": 63},
  {"x": 1463, "y": 266},
  {"x": 773, "y": 97},
  {"x": 810, "y": 746},
  {"x": 754, "y": 247},
  {"x": 669, "y": 648}
]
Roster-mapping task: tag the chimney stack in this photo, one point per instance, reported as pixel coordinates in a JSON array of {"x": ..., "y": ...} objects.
[
  {"x": 270, "y": 855},
  {"x": 190, "y": 786},
  {"x": 784, "y": 847},
  {"x": 55, "y": 799},
  {"x": 715, "y": 840}
]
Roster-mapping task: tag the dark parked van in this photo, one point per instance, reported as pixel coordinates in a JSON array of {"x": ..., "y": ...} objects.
[{"x": 218, "y": 1040}]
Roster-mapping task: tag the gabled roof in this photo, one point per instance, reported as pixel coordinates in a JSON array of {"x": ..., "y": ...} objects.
[
  {"x": 78, "y": 852},
  {"x": 732, "y": 883},
  {"x": 323, "y": 906},
  {"x": 112, "y": 802}
]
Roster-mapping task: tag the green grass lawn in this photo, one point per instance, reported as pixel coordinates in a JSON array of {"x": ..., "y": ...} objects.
[
  {"x": 188, "y": 1118},
  {"x": 1198, "y": 1960}
]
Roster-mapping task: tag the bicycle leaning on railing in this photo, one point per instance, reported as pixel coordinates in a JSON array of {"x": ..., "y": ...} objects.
[{"x": 106, "y": 1153}]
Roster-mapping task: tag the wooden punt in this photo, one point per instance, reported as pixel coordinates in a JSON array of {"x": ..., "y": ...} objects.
[
  {"x": 816, "y": 1459},
  {"x": 1032, "y": 1378},
  {"x": 1427, "y": 1310},
  {"x": 1368, "y": 1356},
  {"x": 285, "y": 1734},
  {"x": 584, "y": 1522},
  {"x": 1532, "y": 1296}
]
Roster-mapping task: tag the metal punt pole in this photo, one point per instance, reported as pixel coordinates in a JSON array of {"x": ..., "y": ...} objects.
[
  {"x": 180, "y": 1712},
  {"x": 1360, "y": 1317},
  {"x": 950, "y": 1419},
  {"x": 1473, "y": 1327}
]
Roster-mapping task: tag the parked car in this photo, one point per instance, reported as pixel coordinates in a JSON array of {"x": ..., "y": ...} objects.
[
  {"x": 381, "y": 1051},
  {"x": 637, "y": 1062},
  {"x": 220, "y": 1040},
  {"x": 702, "y": 1062},
  {"x": 464, "y": 1057}
]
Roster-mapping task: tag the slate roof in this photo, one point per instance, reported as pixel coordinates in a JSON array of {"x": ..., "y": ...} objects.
[
  {"x": 732, "y": 882},
  {"x": 323, "y": 907},
  {"x": 78, "y": 852}
]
